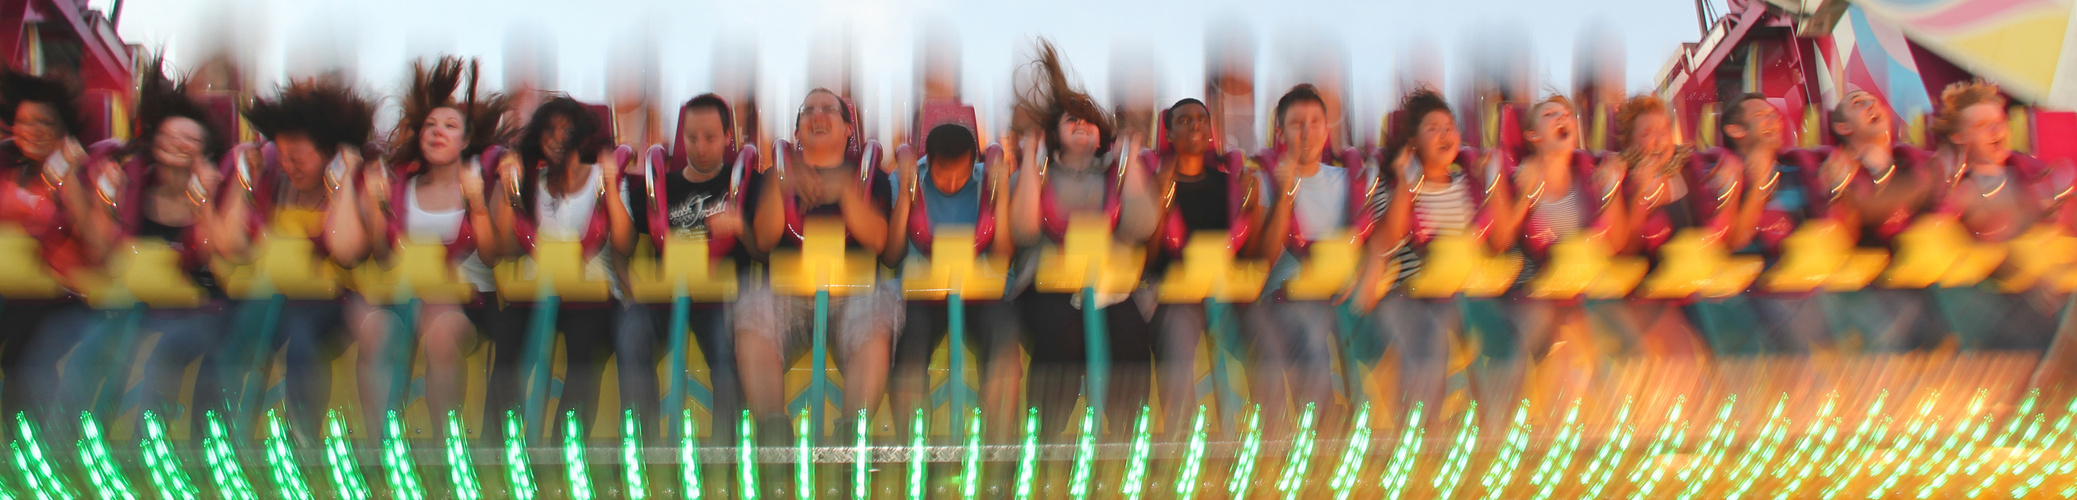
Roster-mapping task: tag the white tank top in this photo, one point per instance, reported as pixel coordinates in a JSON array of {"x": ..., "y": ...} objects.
[
  {"x": 566, "y": 218},
  {"x": 420, "y": 224}
]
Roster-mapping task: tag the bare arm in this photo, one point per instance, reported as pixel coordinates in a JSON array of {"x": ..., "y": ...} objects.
[{"x": 346, "y": 237}]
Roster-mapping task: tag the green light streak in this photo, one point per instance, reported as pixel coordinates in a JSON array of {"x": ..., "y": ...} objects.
[
  {"x": 102, "y": 470},
  {"x": 746, "y": 451},
  {"x": 861, "y": 483},
  {"x": 224, "y": 471},
  {"x": 461, "y": 470},
  {"x": 1670, "y": 438},
  {"x": 167, "y": 473},
  {"x": 573, "y": 457},
  {"x": 1357, "y": 445},
  {"x": 1761, "y": 453},
  {"x": 689, "y": 456},
  {"x": 346, "y": 474},
  {"x": 1401, "y": 467},
  {"x": 519, "y": 475},
  {"x": 631, "y": 455},
  {"x": 396, "y": 461},
  {"x": 971, "y": 486},
  {"x": 1609, "y": 458},
  {"x": 1558, "y": 458},
  {"x": 1713, "y": 445},
  {"x": 917, "y": 426},
  {"x": 1027, "y": 459},
  {"x": 1501, "y": 472},
  {"x": 1459, "y": 458},
  {"x": 282, "y": 467},
  {"x": 1085, "y": 455},
  {"x": 1814, "y": 442},
  {"x": 804, "y": 455},
  {"x": 1193, "y": 459},
  {"x": 1300, "y": 459},
  {"x": 1244, "y": 465}
]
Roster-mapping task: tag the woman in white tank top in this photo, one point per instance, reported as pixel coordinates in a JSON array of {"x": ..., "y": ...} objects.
[{"x": 441, "y": 202}]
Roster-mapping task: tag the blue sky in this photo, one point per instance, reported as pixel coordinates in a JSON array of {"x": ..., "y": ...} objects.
[{"x": 379, "y": 37}]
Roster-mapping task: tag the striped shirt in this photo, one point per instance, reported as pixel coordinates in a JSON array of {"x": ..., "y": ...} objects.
[{"x": 1445, "y": 210}]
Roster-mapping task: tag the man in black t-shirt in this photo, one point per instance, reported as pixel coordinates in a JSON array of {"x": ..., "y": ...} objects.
[
  {"x": 695, "y": 197},
  {"x": 1197, "y": 191}
]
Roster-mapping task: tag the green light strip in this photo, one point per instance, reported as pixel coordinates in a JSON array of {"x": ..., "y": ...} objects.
[
  {"x": 1609, "y": 458},
  {"x": 1713, "y": 444},
  {"x": 1027, "y": 459},
  {"x": 396, "y": 461},
  {"x": 519, "y": 475},
  {"x": 1403, "y": 456},
  {"x": 1300, "y": 459},
  {"x": 1761, "y": 453},
  {"x": 346, "y": 474},
  {"x": 167, "y": 473},
  {"x": 573, "y": 457},
  {"x": 970, "y": 480},
  {"x": 1085, "y": 455},
  {"x": 631, "y": 455},
  {"x": 1501, "y": 472},
  {"x": 803, "y": 454},
  {"x": 1669, "y": 441},
  {"x": 282, "y": 466},
  {"x": 917, "y": 426},
  {"x": 1353, "y": 450},
  {"x": 746, "y": 450},
  {"x": 861, "y": 482},
  {"x": 1193, "y": 459},
  {"x": 461, "y": 471},
  {"x": 1809, "y": 449},
  {"x": 1915, "y": 445},
  {"x": 2059, "y": 440},
  {"x": 1243, "y": 477},
  {"x": 1142, "y": 445},
  {"x": 1459, "y": 457},
  {"x": 1870, "y": 433},
  {"x": 102, "y": 470},
  {"x": 224, "y": 470},
  {"x": 689, "y": 456},
  {"x": 1558, "y": 458},
  {"x": 1975, "y": 438}
]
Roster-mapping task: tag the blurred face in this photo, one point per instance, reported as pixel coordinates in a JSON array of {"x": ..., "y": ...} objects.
[
  {"x": 706, "y": 139},
  {"x": 1077, "y": 135},
  {"x": 552, "y": 142},
  {"x": 952, "y": 162},
  {"x": 1556, "y": 128},
  {"x": 178, "y": 143},
  {"x": 1863, "y": 119},
  {"x": 1761, "y": 125},
  {"x": 1303, "y": 128},
  {"x": 440, "y": 137},
  {"x": 1651, "y": 133},
  {"x": 1985, "y": 134},
  {"x": 1437, "y": 138},
  {"x": 301, "y": 161},
  {"x": 822, "y": 124},
  {"x": 1190, "y": 129},
  {"x": 37, "y": 130}
]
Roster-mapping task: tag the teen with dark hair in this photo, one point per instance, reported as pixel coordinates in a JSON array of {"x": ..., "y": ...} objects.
[
  {"x": 302, "y": 184},
  {"x": 42, "y": 195},
  {"x": 690, "y": 196},
  {"x": 568, "y": 190}
]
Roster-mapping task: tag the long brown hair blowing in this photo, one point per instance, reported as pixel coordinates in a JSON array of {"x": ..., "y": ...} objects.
[
  {"x": 1048, "y": 96},
  {"x": 160, "y": 98},
  {"x": 1412, "y": 109},
  {"x": 433, "y": 88},
  {"x": 326, "y": 110}
]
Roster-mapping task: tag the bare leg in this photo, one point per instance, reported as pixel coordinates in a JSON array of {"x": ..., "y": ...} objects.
[
  {"x": 370, "y": 327},
  {"x": 444, "y": 334}
]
